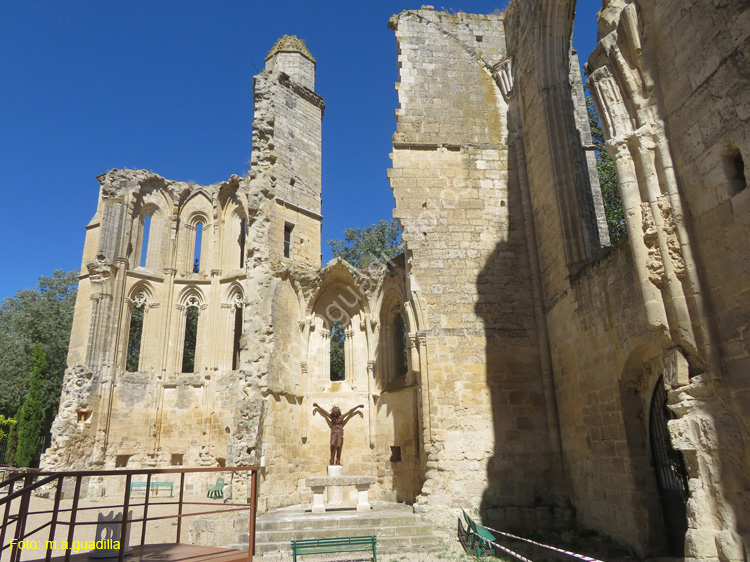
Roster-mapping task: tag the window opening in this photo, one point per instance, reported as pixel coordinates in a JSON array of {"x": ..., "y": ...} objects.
[
  {"x": 243, "y": 235},
  {"x": 197, "y": 250},
  {"x": 145, "y": 231},
  {"x": 176, "y": 459},
  {"x": 121, "y": 461},
  {"x": 135, "y": 335},
  {"x": 191, "y": 336},
  {"x": 395, "y": 453},
  {"x": 237, "y": 336},
  {"x": 734, "y": 168},
  {"x": 402, "y": 363},
  {"x": 288, "y": 240},
  {"x": 338, "y": 355}
]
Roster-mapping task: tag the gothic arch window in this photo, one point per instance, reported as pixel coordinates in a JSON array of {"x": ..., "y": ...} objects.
[
  {"x": 393, "y": 351},
  {"x": 235, "y": 306},
  {"x": 197, "y": 243},
  {"x": 337, "y": 352},
  {"x": 242, "y": 238},
  {"x": 146, "y": 241},
  {"x": 400, "y": 361},
  {"x": 191, "y": 309},
  {"x": 145, "y": 231},
  {"x": 196, "y": 234},
  {"x": 135, "y": 332},
  {"x": 233, "y": 240}
]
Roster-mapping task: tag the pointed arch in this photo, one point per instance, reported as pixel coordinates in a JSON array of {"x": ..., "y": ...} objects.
[
  {"x": 191, "y": 303},
  {"x": 137, "y": 303},
  {"x": 233, "y": 308},
  {"x": 233, "y": 238},
  {"x": 196, "y": 235},
  {"x": 392, "y": 361}
]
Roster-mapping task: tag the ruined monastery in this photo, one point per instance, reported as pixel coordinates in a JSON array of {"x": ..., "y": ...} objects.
[{"x": 551, "y": 380}]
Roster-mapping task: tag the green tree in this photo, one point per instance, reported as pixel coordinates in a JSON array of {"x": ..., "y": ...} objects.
[
  {"x": 191, "y": 339},
  {"x": 338, "y": 358},
  {"x": 7, "y": 427},
  {"x": 41, "y": 315},
  {"x": 134, "y": 339},
  {"x": 369, "y": 246},
  {"x": 33, "y": 417},
  {"x": 607, "y": 177}
]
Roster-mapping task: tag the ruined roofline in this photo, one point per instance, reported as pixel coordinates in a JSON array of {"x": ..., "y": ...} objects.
[
  {"x": 116, "y": 179},
  {"x": 430, "y": 13}
]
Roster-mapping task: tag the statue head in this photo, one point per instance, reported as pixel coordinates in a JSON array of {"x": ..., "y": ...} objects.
[{"x": 335, "y": 411}]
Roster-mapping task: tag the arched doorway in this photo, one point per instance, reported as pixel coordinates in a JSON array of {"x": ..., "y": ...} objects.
[{"x": 671, "y": 474}]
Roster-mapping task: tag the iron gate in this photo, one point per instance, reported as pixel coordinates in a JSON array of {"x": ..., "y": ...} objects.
[{"x": 671, "y": 474}]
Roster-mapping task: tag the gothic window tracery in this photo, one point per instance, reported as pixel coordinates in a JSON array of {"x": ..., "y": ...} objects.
[
  {"x": 190, "y": 340},
  {"x": 135, "y": 332}
]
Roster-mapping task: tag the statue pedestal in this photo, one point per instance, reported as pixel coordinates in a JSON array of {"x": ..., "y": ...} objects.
[
  {"x": 335, "y": 491},
  {"x": 334, "y": 483}
]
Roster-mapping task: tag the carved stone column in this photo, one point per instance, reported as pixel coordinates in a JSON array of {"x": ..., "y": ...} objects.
[
  {"x": 424, "y": 389},
  {"x": 325, "y": 354},
  {"x": 350, "y": 371}
]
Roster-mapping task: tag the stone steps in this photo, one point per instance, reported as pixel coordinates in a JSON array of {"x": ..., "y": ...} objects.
[{"x": 396, "y": 527}]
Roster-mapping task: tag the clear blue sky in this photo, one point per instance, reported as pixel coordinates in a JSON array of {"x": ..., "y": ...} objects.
[{"x": 166, "y": 85}]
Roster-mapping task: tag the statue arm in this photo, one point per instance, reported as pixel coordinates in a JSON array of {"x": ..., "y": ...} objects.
[
  {"x": 347, "y": 416},
  {"x": 323, "y": 413}
]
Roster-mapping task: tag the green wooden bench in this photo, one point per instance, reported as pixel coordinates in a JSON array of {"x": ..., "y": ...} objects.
[
  {"x": 477, "y": 539},
  {"x": 153, "y": 487},
  {"x": 336, "y": 544}
]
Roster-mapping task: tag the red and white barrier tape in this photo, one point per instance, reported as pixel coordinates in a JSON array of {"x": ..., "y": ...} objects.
[
  {"x": 509, "y": 551},
  {"x": 569, "y": 553}
]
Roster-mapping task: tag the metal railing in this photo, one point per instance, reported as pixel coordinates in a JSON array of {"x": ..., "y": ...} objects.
[{"x": 33, "y": 482}]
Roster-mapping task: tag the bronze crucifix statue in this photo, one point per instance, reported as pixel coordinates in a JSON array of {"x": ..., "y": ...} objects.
[{"x": 336, "y": 421}]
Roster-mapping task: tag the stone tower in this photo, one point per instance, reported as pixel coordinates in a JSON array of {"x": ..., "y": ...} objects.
[{"x": 287, "y": 145}]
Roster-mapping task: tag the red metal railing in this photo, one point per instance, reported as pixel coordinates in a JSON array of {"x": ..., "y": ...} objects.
[{"x": 34, "y": 481}]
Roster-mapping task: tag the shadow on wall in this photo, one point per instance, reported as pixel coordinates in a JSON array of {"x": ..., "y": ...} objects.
[{"x": 518, "y": 495}]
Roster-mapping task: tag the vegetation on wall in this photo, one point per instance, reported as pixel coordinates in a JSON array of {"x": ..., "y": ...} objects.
[{"x": 605, "y": 166}]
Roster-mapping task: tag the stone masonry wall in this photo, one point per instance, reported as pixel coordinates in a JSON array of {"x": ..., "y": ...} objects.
[
  {"x": 464, "y": 232},
  {"x": 702, "y": 55}
]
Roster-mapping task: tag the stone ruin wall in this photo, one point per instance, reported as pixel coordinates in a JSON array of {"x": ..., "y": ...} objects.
[
  {"x": 459, "y": 204},
  {"x": 257, "y": 411},
  {"x": 672, "y": 109},
  {"x": 526, "y": 329},
  {"x": 671, "y": 83},
  {"x": 610, "y": 321}
]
